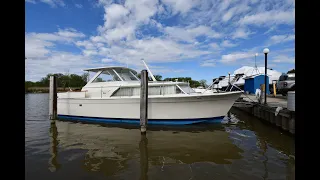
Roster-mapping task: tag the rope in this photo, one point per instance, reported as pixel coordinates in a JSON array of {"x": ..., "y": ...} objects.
[{"x": 243, "y": 92}]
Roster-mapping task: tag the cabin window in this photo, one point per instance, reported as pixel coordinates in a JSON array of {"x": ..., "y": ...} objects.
[
  {"x": 187, "y": 89},
  {"x": 178, "y": 91},
  {"x": 168, "y": 89},
  {"x": 126, "y": 75},
  {"x": 152, "y": 90},
  {"x": 106, "y": 76}
]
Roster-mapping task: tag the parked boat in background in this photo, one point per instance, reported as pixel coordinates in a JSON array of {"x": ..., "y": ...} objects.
[{"x": 239, "y": 75}]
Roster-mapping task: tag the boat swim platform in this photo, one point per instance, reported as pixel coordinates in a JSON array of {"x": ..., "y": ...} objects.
[{"x": 275, "y": 112}]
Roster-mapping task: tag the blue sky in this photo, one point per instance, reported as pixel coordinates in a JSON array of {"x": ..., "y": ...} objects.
[{"x": 202, "y": 39}]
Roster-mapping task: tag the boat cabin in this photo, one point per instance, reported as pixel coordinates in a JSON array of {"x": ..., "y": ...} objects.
[{"x": 115, "y": 81}]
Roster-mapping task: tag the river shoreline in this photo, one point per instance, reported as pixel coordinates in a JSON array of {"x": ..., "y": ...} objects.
[{"x": 33, "y": 90}]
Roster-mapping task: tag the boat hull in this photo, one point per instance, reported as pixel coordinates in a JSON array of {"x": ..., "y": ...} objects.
[
  {"x": 137, "y": 121},
  {"x": 161, "y": 109}
]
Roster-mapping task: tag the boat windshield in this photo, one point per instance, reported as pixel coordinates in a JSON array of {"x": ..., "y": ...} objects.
[{"x": 115, "y": 75}]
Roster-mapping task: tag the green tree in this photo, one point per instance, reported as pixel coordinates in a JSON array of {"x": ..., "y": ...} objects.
[
  {"x": 85, "y": 76},
  {"x": 203, "y": 83},
  {"x": 158, "y": 77},
  {"x": 291, "y": 71},
  {"x": 72, "y": 80}
]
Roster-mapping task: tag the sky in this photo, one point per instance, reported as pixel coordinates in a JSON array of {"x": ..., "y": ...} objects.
[{"x": 201, "y": 39}]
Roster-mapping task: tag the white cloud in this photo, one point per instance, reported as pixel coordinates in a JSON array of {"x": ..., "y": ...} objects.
[
  {"x": 79, "y": 6},
  {"x": 65, "y": 35},
  {"x": 234, "y": 57},
  {"x": 182, "y": 6},
  {"x": 273, "y": 28},
  {"x": 287, "y": 50},
  {"x": 31, "y": 1},
  {"x": 215, "y": 45},
  {"x": 56, "y": 62},
  {"x": 89, "y": 52},
  {"x": 86, "y": 44},
  {"x": 36, "y": 48},
  {"x": 227, "y": 43},
  {"x": 115, "y": 14},
  {"x": 208, "y": 63},
  {"x": 241, "y": 8},
  {"x": 283, "y": 59},
  {"x": 121, "y": 21},
  {"x": 189, "y": 34},
  {"x": 152, "y": 50},
  {"x": 52, "y": 3},
  {"x": 106, "y": 60},
  {"x": 281, "y": 38},
  {"x": 37, "y": 45},
  {"x": 269, "y": 18},
  {"x": 241, "y": 33},
  {"x": 164, "y": 31},
  {"x": 70, "y": 33}
]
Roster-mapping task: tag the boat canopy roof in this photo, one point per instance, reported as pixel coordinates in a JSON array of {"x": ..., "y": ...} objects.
[{"x": 116, "y": 68}]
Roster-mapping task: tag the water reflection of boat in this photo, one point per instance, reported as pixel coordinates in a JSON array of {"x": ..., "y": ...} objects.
[{"x": 109, "y": 149}]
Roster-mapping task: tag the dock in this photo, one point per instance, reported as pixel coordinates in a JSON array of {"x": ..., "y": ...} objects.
[{"x": 281, "y": 118}]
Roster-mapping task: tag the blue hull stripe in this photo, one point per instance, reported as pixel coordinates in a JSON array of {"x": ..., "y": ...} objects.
[{"x": 137, "y": 121}]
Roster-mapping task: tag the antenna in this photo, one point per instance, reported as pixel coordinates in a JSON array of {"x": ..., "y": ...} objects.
[
  {"x": 255, "y": 60},
  {"x": 154, "y": 79},
  {"x": 255, "y": 64},
  {"x": 68, "y": 79}
]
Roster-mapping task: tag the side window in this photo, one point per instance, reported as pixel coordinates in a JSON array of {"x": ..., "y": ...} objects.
[{"x": 105, "y": 77}]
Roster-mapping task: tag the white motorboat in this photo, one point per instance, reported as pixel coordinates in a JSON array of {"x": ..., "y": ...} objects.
[{"x": 112, "y": 95}]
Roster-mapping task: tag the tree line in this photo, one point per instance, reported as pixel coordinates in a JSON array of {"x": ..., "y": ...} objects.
[
  {"x": 74, "y": 80},
  {"x": 63, "y": 80},
  {"x": 291, "y": 71}
]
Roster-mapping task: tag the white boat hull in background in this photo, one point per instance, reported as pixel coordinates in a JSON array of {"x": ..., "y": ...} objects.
[{"x": 183, "y": 109}]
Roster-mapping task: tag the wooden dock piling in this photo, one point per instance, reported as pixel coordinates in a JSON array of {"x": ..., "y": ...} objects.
[
  {"x": 144, "y": 102},
  {"x": 53, "y": 98}
]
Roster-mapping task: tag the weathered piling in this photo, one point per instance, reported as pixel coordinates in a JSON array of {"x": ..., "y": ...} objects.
[
  {"x": 53, "y": 98},
  {"x": 144, "y": 102}
]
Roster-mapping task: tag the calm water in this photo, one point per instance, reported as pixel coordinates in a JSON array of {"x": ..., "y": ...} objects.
[{"x": 241, "y": 148}]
